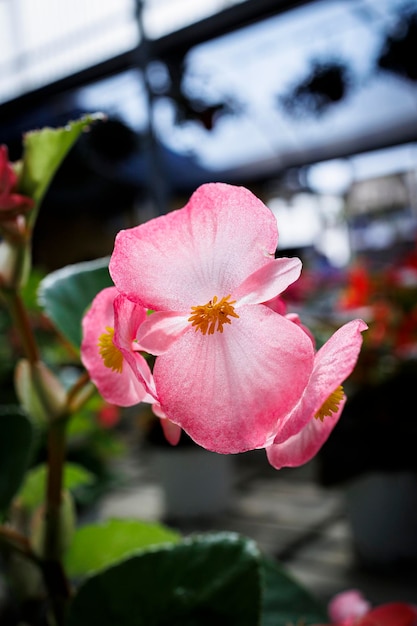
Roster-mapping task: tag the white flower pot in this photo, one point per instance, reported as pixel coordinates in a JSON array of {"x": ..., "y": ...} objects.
[
  {"x": 195, "y": 482},
  {"x": 382, "y": 510}
]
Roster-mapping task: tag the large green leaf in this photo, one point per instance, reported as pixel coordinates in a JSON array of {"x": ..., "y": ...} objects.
[
  {"x": 16, "y": 435},
  {"x": 97, "y": 546},
  {"x": 44, "y": 151},
  {"x": 32, "y": 492},
  {"x": 206, "y": 580},
  {"x": 66, "y": 294},
  {"x": 284, "y": 601}
]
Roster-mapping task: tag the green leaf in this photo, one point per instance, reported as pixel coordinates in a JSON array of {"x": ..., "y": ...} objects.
[
  {"x": 32, "y": 493},
  {"x": 16, "y": 436},
  {"x": 285, "y": 601},
  {"x": 44, "y": 151},
  {"x": 97, "y": 546},
  {"x": 206, "y": 580},
  {"x": 66, "y": 294}
]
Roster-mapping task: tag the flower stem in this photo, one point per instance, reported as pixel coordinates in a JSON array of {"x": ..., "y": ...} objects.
[
  {"x": 80, "y": 393},
  {"x": 12, "y": 539},
  {"x": 54, "y": 574},
  {"x": 22, "y": 324}
]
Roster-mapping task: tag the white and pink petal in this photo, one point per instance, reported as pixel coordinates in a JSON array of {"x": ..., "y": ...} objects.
[
  {"x": 188, "y": 256},
  {"x": 122, "y": 388},
  {"x": 333, "y": 363},
  {"x": 303, "y": 446},
  {"x": 228, "y": 390},
  {"x": 268, "y": 281}
]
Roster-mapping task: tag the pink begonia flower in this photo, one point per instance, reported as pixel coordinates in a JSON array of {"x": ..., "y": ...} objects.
[
  {"x": 228, "y": 368},
  {"x": 12, "y": 204},
  {"x": 305, "y": 429},
  {"x": 108, "y": 352},
  {"x": 347, "y": 606},
  {"x": 121, "y": 374}
]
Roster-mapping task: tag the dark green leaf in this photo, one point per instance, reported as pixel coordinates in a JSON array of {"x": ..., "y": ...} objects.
[
  {"x": 207, "y": 580},
  {"x": 32, "y": 492},
  {"x": 66, "y": 294},
  {"x": 285, "y": 601},
  {"x": 97, "y": 546},
  {"x": 16, "y": 435}
]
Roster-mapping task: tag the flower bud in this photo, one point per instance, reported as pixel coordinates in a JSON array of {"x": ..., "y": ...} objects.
[{"x": 39, "y": 391}]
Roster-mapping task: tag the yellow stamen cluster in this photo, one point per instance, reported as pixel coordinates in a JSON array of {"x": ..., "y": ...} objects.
[
  {"x": 215, "y": 312},
  {"x": 331, "y": 405},
  {"x": 112, "y": 357}
]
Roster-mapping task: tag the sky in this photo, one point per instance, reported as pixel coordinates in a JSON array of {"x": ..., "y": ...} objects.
[{"x": 250, "y": 70}]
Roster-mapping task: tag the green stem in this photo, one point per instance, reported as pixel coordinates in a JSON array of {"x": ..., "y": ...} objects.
[
  {"x": 54, "y": 574},
  {"x": 80, "y": 393}
]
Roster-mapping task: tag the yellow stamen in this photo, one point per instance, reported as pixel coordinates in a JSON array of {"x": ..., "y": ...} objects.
[
  {"x": 216, "y": 311},
  {"x": 331, "y": 405},
  {"x": 112, "y": 357}
]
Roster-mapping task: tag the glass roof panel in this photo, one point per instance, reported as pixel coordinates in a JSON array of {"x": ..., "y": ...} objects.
[
  {"x": 161, "y": 17},
  {"x": 255, "y": 73},
  {"x": 308, "y": 85},
  {"x": 43, "y": 40}
]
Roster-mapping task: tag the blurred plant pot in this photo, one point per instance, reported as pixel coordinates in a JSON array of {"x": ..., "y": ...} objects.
[
  {"x": 194, "y": 481},
  {"x": 382, "y": 510}
]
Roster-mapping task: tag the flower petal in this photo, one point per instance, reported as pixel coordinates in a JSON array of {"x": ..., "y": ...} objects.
[
  {"x": 186, "y": 257},
  {"x": 227, "y": 390},
  {"x": 124, "y": 388},
  {"x": 333, "y": 363},
  {"x": 161, "y": 330},
  {"x": 277, "y": 304},
  {"x": 268, "y": 281},
  {"x": 172, "y": 432},
  {"x": 128, "y": 318},
  {"x": 303, "y": 446}
]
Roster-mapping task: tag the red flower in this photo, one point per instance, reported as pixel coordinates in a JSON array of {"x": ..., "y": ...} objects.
[
  {"x": 12, "y": 204},
  {"x": 394, "y": 614}
]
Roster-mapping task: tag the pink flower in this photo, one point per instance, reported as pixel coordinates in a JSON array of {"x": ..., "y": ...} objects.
[
  {"x": 303, "y": 431},
  {"x": 12, "y": 204},
  {"x": 110, "y": 353},
  {"x": 120, "y": 373},
  {"x": 345, "y": 607},
  {"x": 228, "y": 368}
]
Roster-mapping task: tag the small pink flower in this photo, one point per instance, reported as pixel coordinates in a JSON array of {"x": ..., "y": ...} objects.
[
  {"x": 119, "y": 372},
  {"x": 228, "y": 368},
  {"x": 12, "y": 204},
  {"x": 303, "y": 431},
  {"x": 345, "y": 607},
  {"x": 110, "y": 353}
]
